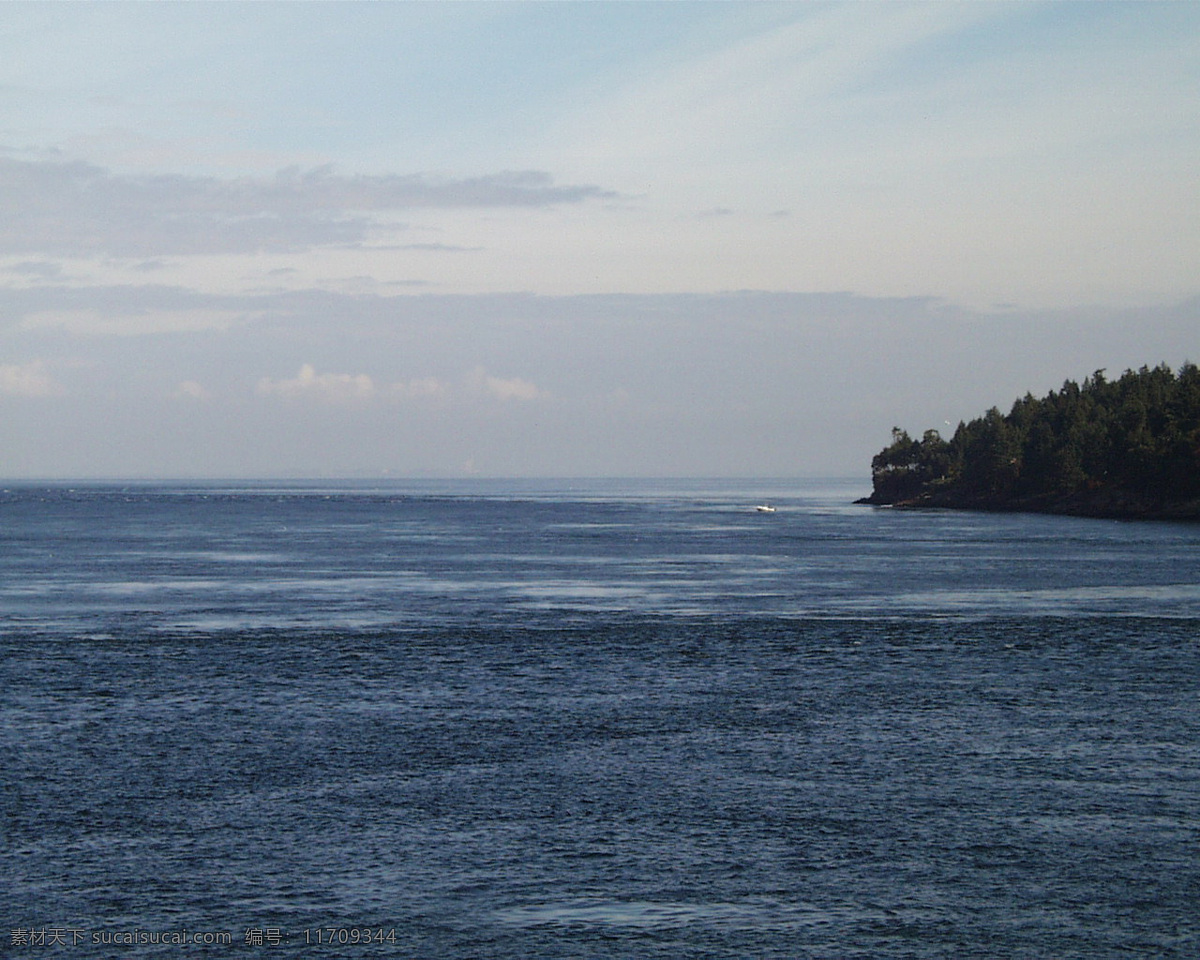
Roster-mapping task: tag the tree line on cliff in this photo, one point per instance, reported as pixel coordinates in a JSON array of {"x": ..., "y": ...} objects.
[{"x": 1129, "y": 445}]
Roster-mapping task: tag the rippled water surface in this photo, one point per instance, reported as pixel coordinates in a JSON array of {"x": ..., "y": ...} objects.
[{"x": 595, "y": 720}]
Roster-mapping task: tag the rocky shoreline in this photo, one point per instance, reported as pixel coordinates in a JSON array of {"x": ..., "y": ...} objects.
[{"x": 1105, "y": 504}]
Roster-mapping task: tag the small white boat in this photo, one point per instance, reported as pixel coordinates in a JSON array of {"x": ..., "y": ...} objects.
[{"x": 765, "y": 508}]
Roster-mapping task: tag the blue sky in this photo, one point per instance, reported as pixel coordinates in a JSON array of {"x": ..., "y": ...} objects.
[{"x": 576, "y": 238}]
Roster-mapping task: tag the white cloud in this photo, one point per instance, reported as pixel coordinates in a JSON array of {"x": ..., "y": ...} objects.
[
  {"x": 505, "y": 389},
  {"x": 334, "y": 387},
  {"x": 28, "y": 380},
  {"x": 192, "y": 390},
  {"x": 344, "y": 387},
  {"x": 514, "y": 389},
  {"x": 425, "y": 387}
]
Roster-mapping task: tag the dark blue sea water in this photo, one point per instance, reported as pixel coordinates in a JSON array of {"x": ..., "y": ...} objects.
[{"x": 591, "y": 720}]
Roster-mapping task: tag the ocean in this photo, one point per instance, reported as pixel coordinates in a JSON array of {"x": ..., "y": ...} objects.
[{"x": 591, "y": 719}]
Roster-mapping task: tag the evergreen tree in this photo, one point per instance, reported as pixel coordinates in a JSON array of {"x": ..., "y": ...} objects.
[{"x": 1133, "y": 440}]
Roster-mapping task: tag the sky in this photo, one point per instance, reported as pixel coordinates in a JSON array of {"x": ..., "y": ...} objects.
[{"x": 577, "y": 238}]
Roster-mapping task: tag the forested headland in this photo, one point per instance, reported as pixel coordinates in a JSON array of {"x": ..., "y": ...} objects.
[{"x": 1128, "y": 447}]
